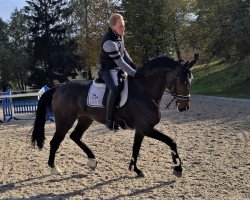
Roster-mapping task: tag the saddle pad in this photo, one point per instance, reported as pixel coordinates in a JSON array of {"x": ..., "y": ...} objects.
[{"x": 96, "y": 94}]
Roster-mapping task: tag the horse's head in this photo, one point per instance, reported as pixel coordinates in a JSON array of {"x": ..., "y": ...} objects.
[{"x": 180, "y": 86}]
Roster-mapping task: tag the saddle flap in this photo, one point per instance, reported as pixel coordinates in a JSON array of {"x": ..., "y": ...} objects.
[{"x": 97, "y": 91}]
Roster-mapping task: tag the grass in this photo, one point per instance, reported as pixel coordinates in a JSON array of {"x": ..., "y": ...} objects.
[{"x": 223, "y": 79}]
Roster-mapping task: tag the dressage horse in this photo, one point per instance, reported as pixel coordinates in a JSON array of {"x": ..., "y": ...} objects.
[{"x": 141, "y": 111}]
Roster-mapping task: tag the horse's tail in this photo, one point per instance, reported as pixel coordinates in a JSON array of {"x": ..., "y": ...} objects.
[{"x": 38, "y": 134}]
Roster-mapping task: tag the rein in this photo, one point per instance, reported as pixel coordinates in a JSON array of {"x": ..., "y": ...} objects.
[{"x": 176, "y": 97}]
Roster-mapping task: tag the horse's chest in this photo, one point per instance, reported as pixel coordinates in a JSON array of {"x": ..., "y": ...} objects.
[
  {"x": 156, "y": 117},
  {"x": 152, "y": 113}
]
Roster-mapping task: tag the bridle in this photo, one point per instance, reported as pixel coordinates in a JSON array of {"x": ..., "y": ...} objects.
[{"x": 174, "y": 94}]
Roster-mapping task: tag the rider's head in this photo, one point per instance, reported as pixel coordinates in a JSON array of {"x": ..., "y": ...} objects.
[{"x": 117, "y": 23}]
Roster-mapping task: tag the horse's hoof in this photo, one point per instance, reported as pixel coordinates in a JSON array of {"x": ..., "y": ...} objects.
[
  {"x": 92, "y": 163},
  {"x": 178, "y": 171},
  {"x": 178, "y": 174},
  {"x": 56, "y": 171},
  {"x": 178, "y": 168},
  {"x": 141, "y": 175}
]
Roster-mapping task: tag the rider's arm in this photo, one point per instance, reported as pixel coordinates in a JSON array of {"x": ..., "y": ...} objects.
[
  {"x": 112, "y": 49},
  {"x": 128, "y": 59}
]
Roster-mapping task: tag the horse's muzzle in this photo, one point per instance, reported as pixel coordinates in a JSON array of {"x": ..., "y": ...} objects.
[
  {"x": 182, "y": 105},
  {"x": 183, "y": 109}
]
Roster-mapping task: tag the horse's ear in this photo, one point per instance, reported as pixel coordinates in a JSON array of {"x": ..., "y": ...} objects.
[
  {"x": 186, "y": 65},
  {"x": 194, "y": 61}
]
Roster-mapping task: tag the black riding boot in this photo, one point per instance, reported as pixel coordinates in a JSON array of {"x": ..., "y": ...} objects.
[{"x": 110, "y": 123}]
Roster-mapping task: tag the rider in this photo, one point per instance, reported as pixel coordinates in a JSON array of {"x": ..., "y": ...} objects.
[{"x": 113, "y": 57}]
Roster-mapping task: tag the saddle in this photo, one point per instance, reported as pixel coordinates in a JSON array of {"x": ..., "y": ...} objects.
[{"x": 98, "y": 91}]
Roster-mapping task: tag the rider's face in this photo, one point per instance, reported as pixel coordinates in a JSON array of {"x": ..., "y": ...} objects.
[{"x": 119, "y": 27}]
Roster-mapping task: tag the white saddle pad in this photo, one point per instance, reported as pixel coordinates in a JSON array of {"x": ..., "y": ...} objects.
[{"x": 96, "y": 94}]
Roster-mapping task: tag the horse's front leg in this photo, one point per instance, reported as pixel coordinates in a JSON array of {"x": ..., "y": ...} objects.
[
  {"x": 155, "y": 134},
  {"x": 136, "y": 148}
]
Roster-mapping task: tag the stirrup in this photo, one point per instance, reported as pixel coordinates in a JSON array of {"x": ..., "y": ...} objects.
[{"x": 112, "y": 125}]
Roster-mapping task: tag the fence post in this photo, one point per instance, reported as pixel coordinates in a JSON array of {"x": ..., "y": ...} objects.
[{"x": 7, "y": 107}]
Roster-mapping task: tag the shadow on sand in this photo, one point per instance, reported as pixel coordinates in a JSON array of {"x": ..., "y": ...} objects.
[{"x": 81, "y": 192}]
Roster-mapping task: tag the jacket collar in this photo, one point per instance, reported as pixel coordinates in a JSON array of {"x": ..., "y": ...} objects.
[{"x": 114, "y": 35}]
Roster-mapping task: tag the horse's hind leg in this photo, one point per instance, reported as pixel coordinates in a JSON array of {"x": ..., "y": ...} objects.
[
  {"x": 62, "y": 127},
  {"x": 76, "y": 135}
]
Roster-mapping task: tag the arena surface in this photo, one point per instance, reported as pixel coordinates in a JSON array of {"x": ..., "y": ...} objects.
[{"x": 213, "y": 143}]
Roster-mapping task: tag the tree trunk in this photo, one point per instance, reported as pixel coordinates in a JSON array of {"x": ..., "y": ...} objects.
[
  {"x": 90, "y": 73},
  {"x": 177, "y": 46}
]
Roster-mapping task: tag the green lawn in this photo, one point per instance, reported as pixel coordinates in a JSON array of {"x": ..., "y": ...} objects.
[{"x": 223, "y": 79}]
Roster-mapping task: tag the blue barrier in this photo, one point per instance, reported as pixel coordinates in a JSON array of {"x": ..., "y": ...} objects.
[
  {"x": 25, "y": 106},
  {"x": 12, "y": 108},
  {"x": 7, "y": 107}
]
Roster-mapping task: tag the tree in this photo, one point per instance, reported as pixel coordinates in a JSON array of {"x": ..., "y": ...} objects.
[
  {"x": 52, "y": 43},
  {"x": 19, "y": 59},
  {"x": 91, "y": 18},
  {"x": 156, "y": 27},
  {"x": 146, "y": 28},
  {"x": 178, "y": 19},
  {"x": 222, "y": 28},
  {"x": 4, "y": 53}
]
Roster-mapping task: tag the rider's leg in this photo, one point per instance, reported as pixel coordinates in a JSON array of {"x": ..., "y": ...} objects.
[
  {"x": 111, "y": 103},
  {"x": 112, "y": 98}
]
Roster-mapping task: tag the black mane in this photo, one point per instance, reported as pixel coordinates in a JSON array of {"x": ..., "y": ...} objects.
[{"x": 159, "y": 62}]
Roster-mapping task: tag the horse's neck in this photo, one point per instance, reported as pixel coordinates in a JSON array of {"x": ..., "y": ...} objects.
[{"x": 155, "y": 85}]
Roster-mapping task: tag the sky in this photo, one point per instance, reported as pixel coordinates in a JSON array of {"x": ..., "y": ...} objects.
[{"x": 8, "y": 6}]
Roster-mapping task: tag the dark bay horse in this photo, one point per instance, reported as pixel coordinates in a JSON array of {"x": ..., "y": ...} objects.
[{"x": 141, "y": 111}]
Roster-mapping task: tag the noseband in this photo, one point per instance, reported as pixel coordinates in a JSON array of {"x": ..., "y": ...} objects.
[{"x": 176, "y": 96}]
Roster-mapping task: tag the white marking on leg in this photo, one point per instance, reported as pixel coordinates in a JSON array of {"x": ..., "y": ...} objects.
[
  {"x": 56, "y": 171},
  {"x": 173, "y": 152},
  {"x": 132, "y": 167},
  {"x": 178, "y": 163},
  {"x": 92, "y": 163}
]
